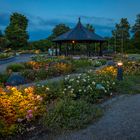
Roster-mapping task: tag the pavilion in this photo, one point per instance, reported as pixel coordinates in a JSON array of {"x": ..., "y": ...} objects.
[{"x": 79, "y": 34}]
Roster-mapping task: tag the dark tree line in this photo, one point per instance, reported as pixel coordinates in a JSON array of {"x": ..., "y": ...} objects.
[{"x": 124, "y": 37}]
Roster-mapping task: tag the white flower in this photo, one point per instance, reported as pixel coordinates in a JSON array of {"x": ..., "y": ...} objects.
[
  {"x": 84, "y": 80},
  {"x": 80, "y": 90},
  {"x": 77, "y": 81},
  {"x": 47, "y": 88},
  {"x": 93, "y": 83},
  {"x": 69, "y": 87},
  {"x": 65, "y": 89}
]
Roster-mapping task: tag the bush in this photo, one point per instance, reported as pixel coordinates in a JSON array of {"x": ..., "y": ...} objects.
[
  {"x": 30, "y": 75},
  {"x": 15, "y": 67},
  {"x": 18, "y": 107},
  {"x": 81, "y": 63},
  {"x": 3, "y": 78},
  {"x": 70, "y": 114},
  {"x": 89, "y": 86}
]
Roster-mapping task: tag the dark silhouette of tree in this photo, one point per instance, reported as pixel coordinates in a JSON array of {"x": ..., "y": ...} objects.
[
  {"x": 16, "y": 31},
  {"x": 90, "y": 27},
  {"x": 121, "y": 34},
  {"x": 136, "y": 32},
  {"x": 58, "y": 30}
]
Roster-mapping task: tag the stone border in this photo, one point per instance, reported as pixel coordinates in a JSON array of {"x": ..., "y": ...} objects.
[{"x": 7, "y": 60}]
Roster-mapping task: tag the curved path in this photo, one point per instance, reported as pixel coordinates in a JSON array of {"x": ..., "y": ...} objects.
[
  {"x": 121, "y": 121},
  {"x": 18, "y": 59}
]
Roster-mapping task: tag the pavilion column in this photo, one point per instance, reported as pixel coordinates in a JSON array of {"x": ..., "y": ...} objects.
[
  {"x": 66, "y": 50},
  {"x": 60, "y": 49},
  {"x": 100, "y": 51},
  {"x": 73, "y": 48},
  {"x": 89, "y": 49},
  {"x": 95, "y": 48},
  {"x": 56, "y": 53}
]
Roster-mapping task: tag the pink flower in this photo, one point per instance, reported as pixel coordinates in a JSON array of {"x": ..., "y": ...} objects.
[
  {"x": 30, "y": 116},
  {"x": 29, "y": 111}
]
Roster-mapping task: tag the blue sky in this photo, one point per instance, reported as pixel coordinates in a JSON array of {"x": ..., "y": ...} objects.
[{"x": 43, "y": 15}]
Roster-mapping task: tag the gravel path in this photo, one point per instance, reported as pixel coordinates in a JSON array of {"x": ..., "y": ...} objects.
[
  {"x": 18, "y": 59},
  {"x": 121, "y": 121}
]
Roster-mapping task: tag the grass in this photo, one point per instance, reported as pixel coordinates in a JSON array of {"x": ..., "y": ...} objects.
[{"x": 130, "y": 85}]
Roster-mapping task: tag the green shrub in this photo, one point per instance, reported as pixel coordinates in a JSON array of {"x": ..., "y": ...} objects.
[
  {"x": 30, "y": 75},
  {"x": 81, "y": 63},
  {"x": 103, "y": 61},
  {"x": 16, "y": 67},
  {"x": 3, "y": 77},
  {"x": 41, "y": 74},
  {"x": 70, "y": 114}
]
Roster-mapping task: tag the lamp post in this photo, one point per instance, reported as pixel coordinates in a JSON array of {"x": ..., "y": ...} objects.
[{"x": 120, "y": 71}]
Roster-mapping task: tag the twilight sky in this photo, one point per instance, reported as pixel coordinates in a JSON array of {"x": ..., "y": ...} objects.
[{"x": 43, "y": 15}]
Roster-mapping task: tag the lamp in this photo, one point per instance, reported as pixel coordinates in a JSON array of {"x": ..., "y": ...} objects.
[
  {"x": 120, "y": 71},
  {"x": 73, "y": 41}
]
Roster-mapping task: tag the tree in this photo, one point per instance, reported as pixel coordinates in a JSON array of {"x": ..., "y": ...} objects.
[
  {"x": 90, "y": 27},
  {"x": 58, "y": 30},
  {"x": 1, "y": 34},
  {"x": 121, "y": 33},
  {"x": 16, "y": 31},
  {"x": 136, "y": 32}
]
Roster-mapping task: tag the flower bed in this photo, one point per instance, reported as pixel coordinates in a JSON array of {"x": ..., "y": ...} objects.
[
  {"x": 18, "y": 108},
  {"x": 67, "y": 104},
  {"x": 42, "y": 67}
]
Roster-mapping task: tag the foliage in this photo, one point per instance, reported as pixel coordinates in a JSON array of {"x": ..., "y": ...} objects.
[
  {"x": 5, "y": 55},
  {"x": 132, "y": 67},
  {"x": 18, "y": 107},
  {"x": 64, "y": 68},
  {"x": 42, "y": 45},
  {"x": 108, "y": 70},
  {"x": 85, "y": 86},
  {"x": 16, "y": 31},
  {"x": 121, "y": 33},
  {"x": 4, "y": 42},
  {"x": 130, "y": 85},
  {"x": 16, "y": 67},
  {"x": 3, "y": 78},
  {"x": 58, "y": 30},
  {"x": 136, "y": 31},
  {"x": 90, "y": 27},
  {"x": 70, "y": 114}
]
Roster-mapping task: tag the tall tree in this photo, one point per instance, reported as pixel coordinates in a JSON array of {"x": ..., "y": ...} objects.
[
  {"x": 16, "y": 31},
  {"x": 136, "y": 31},
  {"x": 1, "y": 33},
  {"x": 58, "y": 30},
  {"x": 90, "y": 27},
  {"x": 121, "y": 33}
]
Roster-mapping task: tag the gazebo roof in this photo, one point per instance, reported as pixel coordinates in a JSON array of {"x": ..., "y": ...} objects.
[{"x": 79, "y": 34}]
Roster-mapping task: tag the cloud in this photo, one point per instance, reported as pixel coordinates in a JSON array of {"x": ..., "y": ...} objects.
[
  {"x": 40, "y": 27},
  {"x": 4, "y": 20}
]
